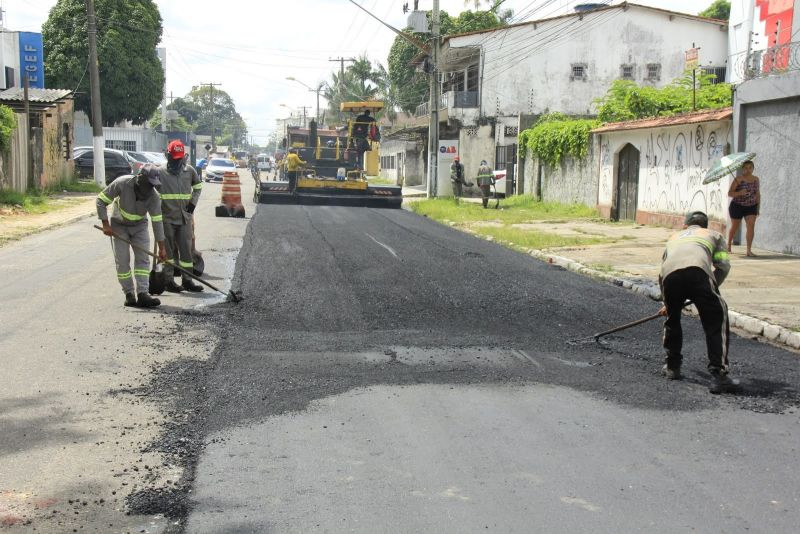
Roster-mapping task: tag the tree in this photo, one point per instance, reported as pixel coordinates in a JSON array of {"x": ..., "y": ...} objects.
[
  {"x": 131, "y": 75},
  {"x": 719, "y": 9},
  {"x": 208, "y": 108}
]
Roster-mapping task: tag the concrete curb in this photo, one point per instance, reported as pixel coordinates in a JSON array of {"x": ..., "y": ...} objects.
[
  {"x": 751, "y": 325},
  {"x": 51, "y": 226}
]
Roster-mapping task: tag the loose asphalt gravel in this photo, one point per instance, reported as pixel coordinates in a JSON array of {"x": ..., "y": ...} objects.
[{"x": 346, "y": 300}]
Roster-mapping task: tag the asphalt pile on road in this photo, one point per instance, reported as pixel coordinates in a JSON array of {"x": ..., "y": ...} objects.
[{"x": 343, "y": 298}]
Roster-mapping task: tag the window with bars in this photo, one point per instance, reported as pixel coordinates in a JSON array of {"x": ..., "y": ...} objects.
[
  {"x": 718, "y": 72},
  {"x": 626, "y": 72},
  {"x": 121, "y": 145},
  {"x": 578, "y": 72},
  {"x": 653, "y": 72},
  {"x": 388, "y": 162}
]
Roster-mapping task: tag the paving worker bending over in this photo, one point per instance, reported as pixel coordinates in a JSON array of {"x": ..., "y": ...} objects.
[
  {"x": 133, "y": 198},
  {"x": 694, "y": 265},
  {"x": 457, "y": 177},
  {"x": 293, "y": 164},
  {"x": 485, "y": 182},
  {"x": 180, "y": 192}
]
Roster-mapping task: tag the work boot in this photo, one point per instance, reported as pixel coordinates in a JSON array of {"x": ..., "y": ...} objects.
[
  {"x": 146, "y": 301},
  {"x": 189, "y": 285},
  {"x": 671, "y": 374},
  {"x": 722, "y": 384},
  {"x": 130, "y": 300},
  {"x": 172, "y": 287}
]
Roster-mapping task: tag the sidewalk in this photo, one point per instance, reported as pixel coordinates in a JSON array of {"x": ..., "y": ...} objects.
[
  {"x": 73, "y": 207},
  {"x": 763, "y": 293}
]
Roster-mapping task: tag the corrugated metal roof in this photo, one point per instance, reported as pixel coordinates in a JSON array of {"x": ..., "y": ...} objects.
[
  {"x": 45, "y": 96},
  {"x": 661, "y": 122}
]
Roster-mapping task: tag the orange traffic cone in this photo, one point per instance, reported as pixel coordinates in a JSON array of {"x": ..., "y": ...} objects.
[{"x": 231, "y": 197}]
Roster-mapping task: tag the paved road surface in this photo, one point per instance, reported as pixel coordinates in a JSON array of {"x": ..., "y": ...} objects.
[
  {"x": 76, "y": 430},
  {"x": 388, "y": 374}
]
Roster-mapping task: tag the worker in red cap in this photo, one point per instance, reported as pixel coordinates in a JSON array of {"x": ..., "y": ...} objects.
[{"x": 180, "y": 192}]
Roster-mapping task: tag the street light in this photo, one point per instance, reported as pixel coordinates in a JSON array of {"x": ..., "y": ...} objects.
[{"x": 317, "y": 90}]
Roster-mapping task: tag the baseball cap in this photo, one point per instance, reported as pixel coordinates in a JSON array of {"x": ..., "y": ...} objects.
[
  {"x": 696, "y": 218},
  {"x": 152, "y": 173},
  {"x": 456, "y": 158},
  {"x": 176, "y": 149}
]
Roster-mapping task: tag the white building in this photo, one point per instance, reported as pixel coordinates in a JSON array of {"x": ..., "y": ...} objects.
[{"x": 496, "y": 82}]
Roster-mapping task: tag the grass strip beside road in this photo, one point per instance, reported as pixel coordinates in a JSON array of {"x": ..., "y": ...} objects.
[
  {"x": 38, "y": 201},
  {"x": 513, "y": 211}
]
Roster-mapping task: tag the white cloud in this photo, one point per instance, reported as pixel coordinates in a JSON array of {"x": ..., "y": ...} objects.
[{"x": 251, "y": 47}]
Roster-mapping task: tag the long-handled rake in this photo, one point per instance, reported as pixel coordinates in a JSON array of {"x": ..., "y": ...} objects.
[
  {"x": 234, "y": 296},
  {"x": 596, "y": 338}
]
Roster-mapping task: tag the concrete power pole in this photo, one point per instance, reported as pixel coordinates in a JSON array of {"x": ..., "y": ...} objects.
[
  {"x": 433, "y": 128},
  {"x": 97, "y": 117}
]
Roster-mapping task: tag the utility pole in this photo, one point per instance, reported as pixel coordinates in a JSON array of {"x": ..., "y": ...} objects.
[
  {"x": 213, "y": 112},
  {"x": 341, "y": 61},
  {"x": 433, "y": 128},
  {"x": 98, "y": 143}
]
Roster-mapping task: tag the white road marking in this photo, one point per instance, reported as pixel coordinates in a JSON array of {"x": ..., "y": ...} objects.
[
  {"x": 387, "y": 247},
  {"x": 581, "y": 504}
]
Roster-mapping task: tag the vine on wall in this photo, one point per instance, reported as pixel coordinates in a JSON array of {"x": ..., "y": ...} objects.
[{"x": 555, "y": 136}]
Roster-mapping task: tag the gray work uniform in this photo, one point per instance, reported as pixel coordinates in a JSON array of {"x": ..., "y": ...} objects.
[
  {"x": 129, "y": 221},
  {"x": 485, "y": 182},
  {"x": 177, "y": 191},
  {"x": 694, "y": 265},
  {"x": 457, "y": 178}
]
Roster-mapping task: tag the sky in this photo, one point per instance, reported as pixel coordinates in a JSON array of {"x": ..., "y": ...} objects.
[{"x": 252, "y": 46}]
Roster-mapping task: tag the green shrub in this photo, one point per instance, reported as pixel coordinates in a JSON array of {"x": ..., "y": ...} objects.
[{"x": 8, "y": 121}]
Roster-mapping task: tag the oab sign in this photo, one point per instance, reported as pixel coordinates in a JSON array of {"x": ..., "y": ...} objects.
[
  {"x": 31, "y": 59},
  {"x": 448, "y": 151}
]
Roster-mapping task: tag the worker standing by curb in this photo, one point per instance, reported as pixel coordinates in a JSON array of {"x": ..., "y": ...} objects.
[
  {"x": 485, "y": 182},
  {"x": 133, "y": 197},
  {"x": 180, "y": 192},
  {"x": 694, "y": 265}
]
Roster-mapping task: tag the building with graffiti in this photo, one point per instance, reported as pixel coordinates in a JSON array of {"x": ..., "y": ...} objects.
[
  {"x": 651, "y": 170},
  {"x": 765, "y": 66}
]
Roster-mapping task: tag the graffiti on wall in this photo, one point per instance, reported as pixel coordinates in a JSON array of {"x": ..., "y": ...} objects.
[
  {"x": 674, "y": 164},
  {"x": 606, "y": 169}
]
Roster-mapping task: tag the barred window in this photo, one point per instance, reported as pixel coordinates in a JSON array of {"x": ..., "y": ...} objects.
[
  {"x": 578, "y": 71},
  {"x": 121, "y": 145},
  {"x": 626, "y": 72},
  {"x": 654, "y": 71}
]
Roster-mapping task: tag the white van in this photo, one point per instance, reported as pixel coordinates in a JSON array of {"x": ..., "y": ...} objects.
[{"x": 263, "y": 162}]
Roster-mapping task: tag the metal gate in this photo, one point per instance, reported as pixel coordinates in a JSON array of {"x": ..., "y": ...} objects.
[{"x": 627, "y": 183}]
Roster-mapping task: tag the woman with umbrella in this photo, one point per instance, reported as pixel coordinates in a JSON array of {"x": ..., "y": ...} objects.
[{"x": 745, "y": 198}]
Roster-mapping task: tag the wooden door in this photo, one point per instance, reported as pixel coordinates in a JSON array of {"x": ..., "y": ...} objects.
[{"x": 627, "y": 183}]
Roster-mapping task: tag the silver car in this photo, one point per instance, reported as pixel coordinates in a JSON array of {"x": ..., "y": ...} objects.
[{"x": 216, "y": 169}]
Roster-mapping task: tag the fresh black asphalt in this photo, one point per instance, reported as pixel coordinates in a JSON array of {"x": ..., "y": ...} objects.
[{"x": 340, "y": 298}]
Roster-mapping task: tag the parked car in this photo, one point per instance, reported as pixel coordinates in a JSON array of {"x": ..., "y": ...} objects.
[
  {"x": 137, "y": 159},
  {"x": 116, "y": 164},
  {"x": 156, "y": 157},
  {"x": 216, "y": 169}
]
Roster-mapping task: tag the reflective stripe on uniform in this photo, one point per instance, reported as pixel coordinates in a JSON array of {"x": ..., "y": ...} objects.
[
  {"x": 176, "y": 196},
  {"x": 186, "y": 264},
  {"x": 720, "y": 256},
  {"x": 102, "y": 196},
  {"x": 198, "y": 186},
  {"x": 141, "y": 272},
  {"x": 158, "y": 218},
  {"x": 129, "y": 216},
  {"x": 125, "y": 276},
  {"x": 691, "y": 239}
]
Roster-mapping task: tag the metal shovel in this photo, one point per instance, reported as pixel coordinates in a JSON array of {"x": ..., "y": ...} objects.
[{"x": 234, "y": 296}]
